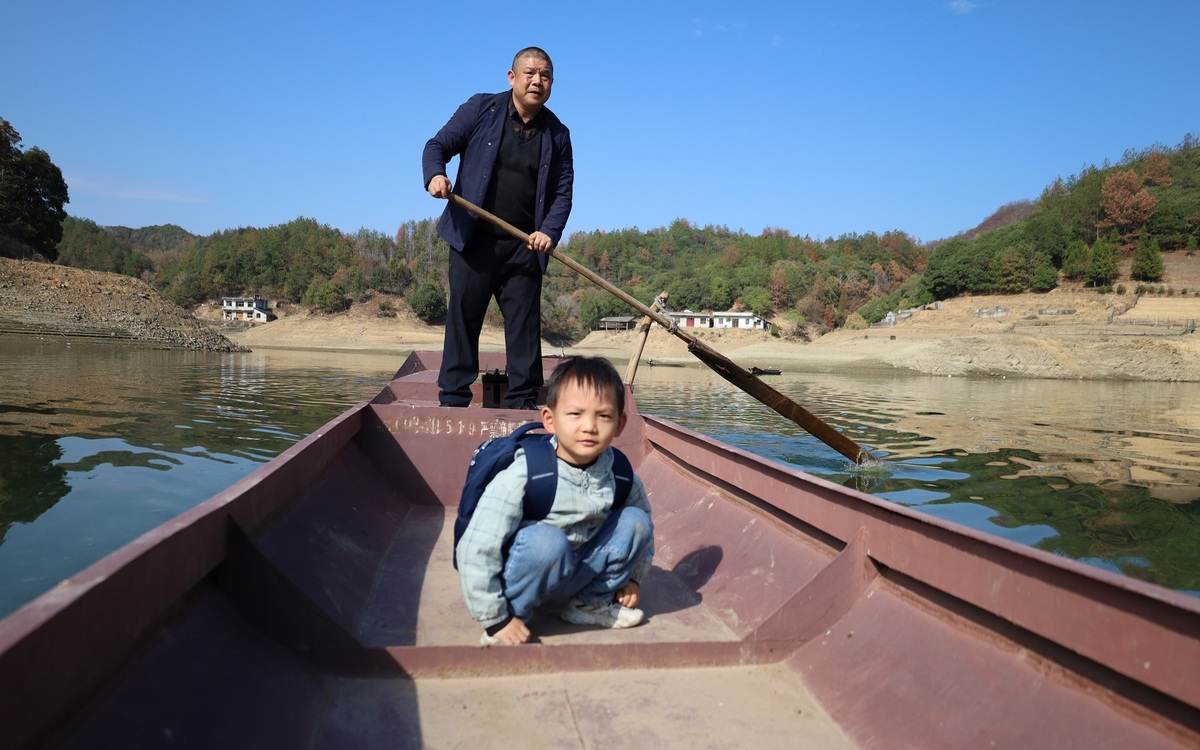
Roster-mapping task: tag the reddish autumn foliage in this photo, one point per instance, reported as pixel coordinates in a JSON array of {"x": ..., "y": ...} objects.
[
  {"x": 1158, "y": 170},
  {"x": 1125, "y": 205}
]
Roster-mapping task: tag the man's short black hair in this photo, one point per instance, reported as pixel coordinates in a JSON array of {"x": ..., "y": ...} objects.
[
  {"x": 590, "y": 373},
  {"x": 534, "y": 52}
]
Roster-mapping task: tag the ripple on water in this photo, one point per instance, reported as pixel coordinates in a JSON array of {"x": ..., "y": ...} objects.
[{"x": 1099, "y": 472}]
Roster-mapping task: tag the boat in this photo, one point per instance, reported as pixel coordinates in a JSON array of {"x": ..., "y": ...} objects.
[
  {"x": 765, "y": 371},
  {"x": 660, "y": 363},
  {"x": 314, "y": 604}
]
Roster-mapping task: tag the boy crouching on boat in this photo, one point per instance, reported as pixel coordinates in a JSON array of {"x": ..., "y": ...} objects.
[{"x": 583, "y": 556}]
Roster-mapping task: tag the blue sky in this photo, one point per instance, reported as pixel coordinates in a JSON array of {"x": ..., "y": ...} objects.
[{"x": 819, "y": 117}]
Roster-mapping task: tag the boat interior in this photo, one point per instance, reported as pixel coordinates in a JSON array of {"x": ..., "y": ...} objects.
[{"x": 314, "y": 604}]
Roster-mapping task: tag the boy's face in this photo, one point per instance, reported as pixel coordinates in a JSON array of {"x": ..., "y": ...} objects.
[{"x": 584, "y": 421}]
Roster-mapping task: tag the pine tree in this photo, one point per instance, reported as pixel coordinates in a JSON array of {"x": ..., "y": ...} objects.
[
  {"x": 1076, "y": 262},
  {"x": 1147, "y": 262},
  {"x": 1010, "y": 272},
  {"x": 1125, "y": 204},
  {"x": 32, "y": 195},
  {"x": 1102, "y": 268},
  {"x": 1045, "y": 275}
]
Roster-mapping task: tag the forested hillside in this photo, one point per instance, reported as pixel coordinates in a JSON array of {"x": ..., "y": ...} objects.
[
  {"x": 87, "y": 245},
  {"x": 797, "y": 280},
  {"x": 1076, "y": 232},
  {"x": 1081, "y": 227}
]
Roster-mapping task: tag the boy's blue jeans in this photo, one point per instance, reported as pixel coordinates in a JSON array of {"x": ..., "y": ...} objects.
[{"x": 541, "y": 567}]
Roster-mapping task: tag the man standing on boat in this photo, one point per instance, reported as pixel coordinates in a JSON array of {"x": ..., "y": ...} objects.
[{"x": 516, "y": 162}]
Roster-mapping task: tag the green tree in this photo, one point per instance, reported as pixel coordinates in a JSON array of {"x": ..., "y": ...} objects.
[
  {"x": 1010, "y": 271},
  {"x": 876, "y": 309},
  {"x": 325, "y": 295},
  {"x": 720, "y": 293},
  {"x": 912, "y": 293},
  {"x": 794, "y": 323},
  {"x": 353, "y": 281},
  {"x": 1076, "y": 261},
  {"x": 1169, "y": 224},
  {"x": 687, "y": 293},
  {"x": 958, "y": 266},
  {"x": 429, "y": 302},
  {"x": 597, "y": 305},
  {"x": 560, "y": 320},
  {"x": 1080, "y": 203},
  {"x": 758, "y": 299},
  {"x": 1045, "y": 232},
  {"x": 32, "y": 195},
  {"x": 1102, "y": 268},
  {"x": 392, "y": 278},
  {"x": 1147, "y": 262},
  {"x": 1045, "y": 275}
]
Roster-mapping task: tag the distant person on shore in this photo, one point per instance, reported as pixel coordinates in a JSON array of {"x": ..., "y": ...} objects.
[
  {"x": 589, "y": 555},
  {"x": 515, "y": 162}
]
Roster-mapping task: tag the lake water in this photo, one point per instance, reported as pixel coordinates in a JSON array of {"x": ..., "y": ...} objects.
[{"x": 99, "y": 444}]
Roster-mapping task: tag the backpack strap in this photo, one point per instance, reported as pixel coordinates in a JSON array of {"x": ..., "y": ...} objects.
[
  {"x": 541, "y": 479},
  {"x": 623, "y": 475},
  {"x": 495, "y": 455}
]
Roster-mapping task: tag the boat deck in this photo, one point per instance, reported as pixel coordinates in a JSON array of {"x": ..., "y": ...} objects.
[
  {"x": 356, "y": 703},
  {"x": 430, "y": 587},
  {"x": 763, "y": 706},
  {"x": 759, "y": 707}
]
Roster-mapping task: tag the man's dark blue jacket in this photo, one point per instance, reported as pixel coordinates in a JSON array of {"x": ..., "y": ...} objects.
[{"x": 473, "y": 133}]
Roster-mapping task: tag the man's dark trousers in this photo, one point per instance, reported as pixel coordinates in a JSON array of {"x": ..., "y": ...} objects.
[{"x": 503, "y": 267}]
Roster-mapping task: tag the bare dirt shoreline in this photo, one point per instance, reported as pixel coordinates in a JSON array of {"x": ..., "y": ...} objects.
[
  {"x": 1024, "y": 341},
  {"x": 1063, "y": 334}
]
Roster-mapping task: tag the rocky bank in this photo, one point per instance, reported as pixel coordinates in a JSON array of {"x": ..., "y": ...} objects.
[{"x": 51, "y": 300}]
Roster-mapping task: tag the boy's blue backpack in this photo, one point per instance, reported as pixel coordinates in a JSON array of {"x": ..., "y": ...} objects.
[{"x": 541, "y": 483}]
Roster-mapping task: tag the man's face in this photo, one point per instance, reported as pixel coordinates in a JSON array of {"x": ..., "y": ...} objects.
[{"x": 531, "y": 79}]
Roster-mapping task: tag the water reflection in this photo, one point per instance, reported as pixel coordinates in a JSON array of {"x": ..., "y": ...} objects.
[
  {"x": 30, "y": 480},
  {"x": 1104, "y": 472},
  {"x": 99, "y": 444}
]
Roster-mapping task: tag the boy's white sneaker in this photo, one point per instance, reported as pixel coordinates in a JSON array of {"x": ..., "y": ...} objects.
[
  {"x": 611, "y": 615},
  {"x": 488, "y": 640}
]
